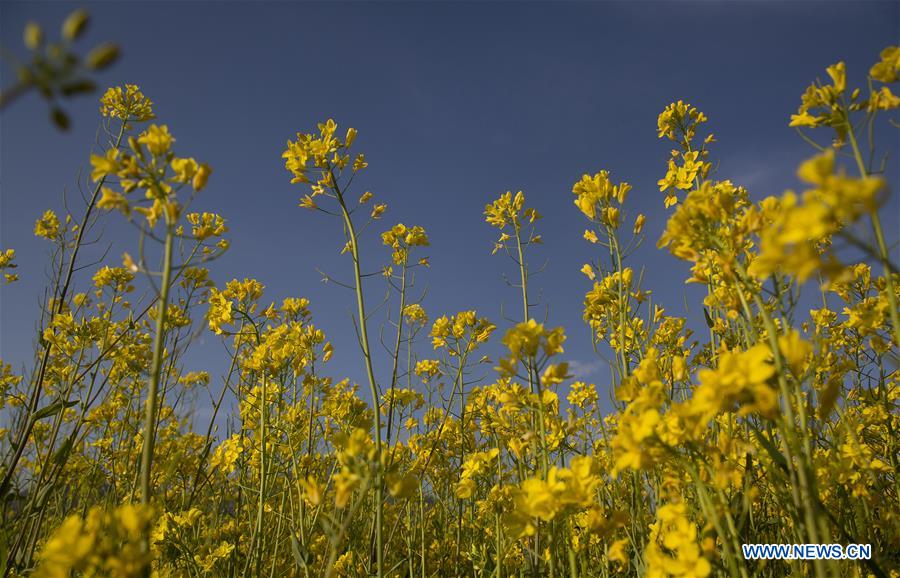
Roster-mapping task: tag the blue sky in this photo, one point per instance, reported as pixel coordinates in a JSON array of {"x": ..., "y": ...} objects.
[{"x": 455, "y": 103}]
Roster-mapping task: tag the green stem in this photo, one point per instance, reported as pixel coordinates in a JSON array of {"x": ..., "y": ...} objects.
[
  {"x": 396, "y": 362},
  {"x": 364, "y": 343},
  {"x": 155, "y": 374},
  {"x": 523, "y": 272},
  {"x": 879, "y": 239}
]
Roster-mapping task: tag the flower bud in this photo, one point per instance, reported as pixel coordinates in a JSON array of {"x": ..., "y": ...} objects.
[
  {"x": 639, "y": 224},
  {"x": 33, "y": 36},
  {"x": 201, "y": 176},
  {"x": 75, "y": 25},
  {"x": 102, "y": 56}
]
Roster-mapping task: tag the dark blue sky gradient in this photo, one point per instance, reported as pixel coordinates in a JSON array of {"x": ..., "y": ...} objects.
[{"x": 455, "y": 103}]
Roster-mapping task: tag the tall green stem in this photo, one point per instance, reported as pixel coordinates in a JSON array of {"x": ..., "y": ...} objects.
[
  {"x": 390, "y": 413},
  {"x": 150, "y": 408},
  {"x": 261, "y": 506},
  {"x": 879, "y": 239},
  {"x": 364, "y": 343}
]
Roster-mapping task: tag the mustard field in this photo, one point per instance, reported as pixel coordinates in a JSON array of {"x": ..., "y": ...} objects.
[{"x": 775, "y": 423}]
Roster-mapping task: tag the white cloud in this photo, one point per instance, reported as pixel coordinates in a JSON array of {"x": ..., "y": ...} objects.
[{"x": 585, "y": 369}]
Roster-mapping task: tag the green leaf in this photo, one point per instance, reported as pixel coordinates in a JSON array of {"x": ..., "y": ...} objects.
[
  {"x": 62, "y": 453},
  {"x": 709, "y": 321},
  {"x": 52, "y": 409},
  {"x": 770, "y": 448},
  {"x": 302, "y": 557},
  {"x": 77, "y": 87},
  {"x": 59, "y": 118}
]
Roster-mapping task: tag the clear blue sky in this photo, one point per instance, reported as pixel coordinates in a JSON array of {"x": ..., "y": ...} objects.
[{"x": 455, "y": 103}]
